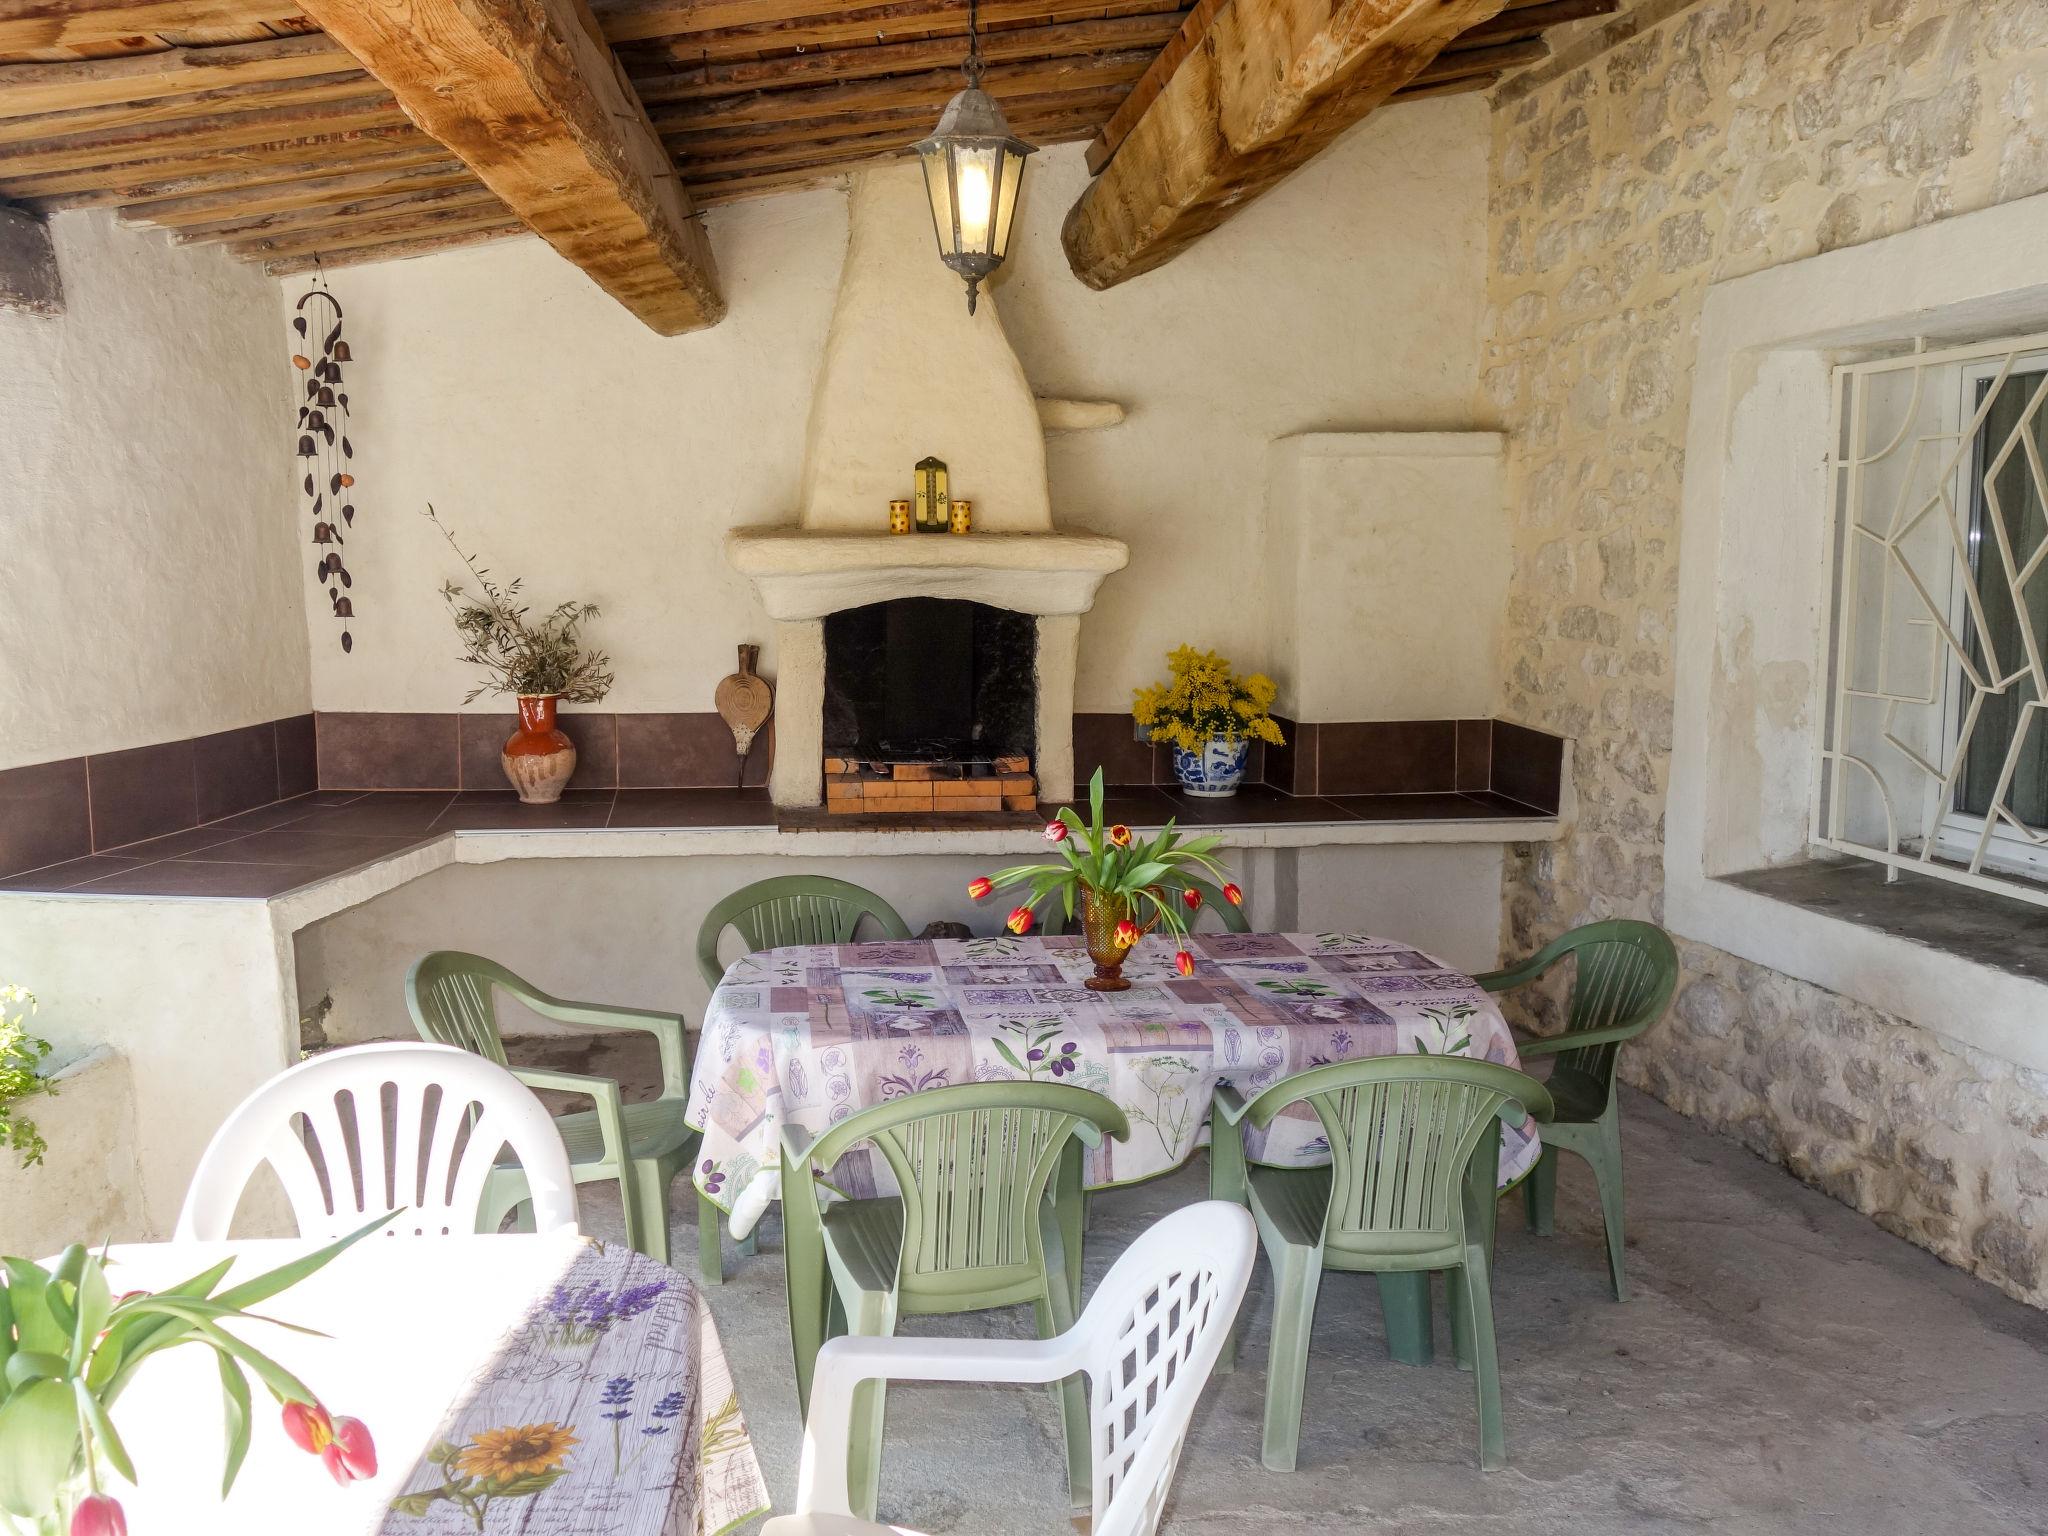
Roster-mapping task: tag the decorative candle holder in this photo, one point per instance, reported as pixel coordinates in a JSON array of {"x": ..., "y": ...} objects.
[
  {"x": 899, "y": 517},
  {"x": 963, "y": 515}
]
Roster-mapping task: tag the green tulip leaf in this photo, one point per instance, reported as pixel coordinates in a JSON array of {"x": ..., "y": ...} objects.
[
  {"x": 30, "y": 1365},
  {"x": 234, "y": 1392},
  {"x": 285, "y": 1276},
  {"x": 95, "y": 1417},
  {"x": 95, "y": 1305},
  {"x": 38, "y": 1438},
  {"x": 28, "y": 1287}
]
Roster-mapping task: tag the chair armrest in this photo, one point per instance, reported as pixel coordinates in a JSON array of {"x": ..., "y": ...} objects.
[
  {"x": 1230, "y": 1104},
  {"x": 796, "y": 1144},
  {"x": 601, "y": 1091},
  {"x": 669, "y": 1031},
  {"x": 1550, "y": 1045},
  {"x": 1510, "y": 977},
  {"x": 845, "y": 1363},
  {"x": 1227, "y": 1177}
]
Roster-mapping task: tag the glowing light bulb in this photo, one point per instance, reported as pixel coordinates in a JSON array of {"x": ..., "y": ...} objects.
[{"x": 976, "y": 194}]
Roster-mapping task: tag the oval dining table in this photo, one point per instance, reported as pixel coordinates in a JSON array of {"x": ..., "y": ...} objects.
[{"x": 519, "y": 1382}]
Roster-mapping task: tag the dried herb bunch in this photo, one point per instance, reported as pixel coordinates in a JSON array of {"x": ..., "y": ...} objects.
[{"x": 519, "y": 656}]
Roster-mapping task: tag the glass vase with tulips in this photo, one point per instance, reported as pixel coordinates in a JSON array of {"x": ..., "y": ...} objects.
[
  {"x": 69, "y": 1345},
  {"x": 1123, "y": 887}
]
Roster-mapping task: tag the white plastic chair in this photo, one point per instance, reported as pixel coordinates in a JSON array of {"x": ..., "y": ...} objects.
[
  {"x": 323, "y": 1128},
  {"x": 1147, "y": 1342}
]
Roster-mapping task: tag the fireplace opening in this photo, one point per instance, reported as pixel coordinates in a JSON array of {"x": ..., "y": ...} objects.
[{"x": 927, "y": 679}]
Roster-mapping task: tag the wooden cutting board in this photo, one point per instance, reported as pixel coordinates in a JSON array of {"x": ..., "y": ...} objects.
[{"x": 744, "y": 702}]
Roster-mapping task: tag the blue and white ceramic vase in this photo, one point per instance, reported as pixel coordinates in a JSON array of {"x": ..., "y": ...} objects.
[{"x": 1216, "y": 770}]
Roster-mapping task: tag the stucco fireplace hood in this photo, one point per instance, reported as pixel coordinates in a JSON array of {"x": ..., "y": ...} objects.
[{"x": 908, "y": 372}]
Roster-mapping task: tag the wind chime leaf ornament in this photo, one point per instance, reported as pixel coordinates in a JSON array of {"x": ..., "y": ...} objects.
[{"x": 322, "y": 430}]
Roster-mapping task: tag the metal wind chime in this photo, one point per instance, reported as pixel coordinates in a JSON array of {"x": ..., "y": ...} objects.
[{"x": 324, "y": 447}]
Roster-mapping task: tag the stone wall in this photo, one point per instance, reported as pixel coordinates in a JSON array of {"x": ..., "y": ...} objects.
[{"x": 1655, "y": 154}]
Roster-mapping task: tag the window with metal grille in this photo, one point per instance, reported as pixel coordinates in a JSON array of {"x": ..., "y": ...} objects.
[{"x": 1934, "y": 754}]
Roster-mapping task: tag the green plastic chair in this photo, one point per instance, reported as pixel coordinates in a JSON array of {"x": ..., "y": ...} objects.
[
  {"x": 973, "y": 1228},
  {"x": 792, "y": 909},
  {"x": 1625, "y": 974},
  {"x": 1409, "y": 1189},
  {"x": 641, "y": 1146},
  {"x": 1234, "y": 920}
]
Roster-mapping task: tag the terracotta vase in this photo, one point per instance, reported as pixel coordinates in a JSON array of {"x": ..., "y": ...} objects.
[
  {"x": 539, "y": 756},
  {"x": 1099, "y": 917}
]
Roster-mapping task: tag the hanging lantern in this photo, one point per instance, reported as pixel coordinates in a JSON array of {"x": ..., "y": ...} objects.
[{"x": 973, "y": 166}]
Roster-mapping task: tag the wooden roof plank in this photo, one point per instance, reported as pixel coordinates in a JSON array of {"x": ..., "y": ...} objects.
[
  {"x": 170, "y": 109},
  {"x": 1524, "y": 17},
  {"x": 26, "y": 89},
  {"x": 526, "y": 93},
  {"x": 222, "y": 130},
  {"x": 392, "y": 250},
  {"x": 64, "y": 23}
]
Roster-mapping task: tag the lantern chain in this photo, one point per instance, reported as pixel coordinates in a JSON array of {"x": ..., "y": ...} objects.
[{"x": 972, "y": 68}]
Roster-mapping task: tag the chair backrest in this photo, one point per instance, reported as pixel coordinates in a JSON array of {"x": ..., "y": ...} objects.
[
  {"x": 1402, "y": 1130},
  {"x": 357, "y": 1132},
  {"x": 972, "y": 1164},
  {"x": 1234, "y": 920},
  {"x": 448, "y": 994},
  {"x": 792, "y": 909},
  {"x": 1154, "y": 1330},
  {"x": 1624, "y": 972}
]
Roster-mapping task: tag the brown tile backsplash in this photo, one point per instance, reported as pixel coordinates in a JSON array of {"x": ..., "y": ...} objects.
[
  {"x": 686, "y": 751},
  {"x": 1475, "y": 754},
  {"x": 44, "y": 815},
  {"x": 1386, "y": 757},
  {"x": 142, "y": 792},
  {"x": 1528, "y": 765},
  {"x": 298, "y": 756},
  {"x": 234, "y": 770},
  {"x": 1108, "y": 741},
  {"x": 388, "y": 751},
  {"x": 1292, "y": 766}
]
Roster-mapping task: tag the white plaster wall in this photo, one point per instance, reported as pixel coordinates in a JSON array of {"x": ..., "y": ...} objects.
[
  {"x": 148, "y": 557},
  {"x": 569, "y": 444},
  {"x": 1387, "y": 577},
  {"x": 625, "y": 930},
  {"x": 87, "y": 1187}
]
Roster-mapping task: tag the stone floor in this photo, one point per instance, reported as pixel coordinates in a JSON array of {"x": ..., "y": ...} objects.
[{"x": 1783, "y": 1366}]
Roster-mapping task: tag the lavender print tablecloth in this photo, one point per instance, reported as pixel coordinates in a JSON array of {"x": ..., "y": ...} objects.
[
  {"x": 608, "y": 1407},
  {"x": 808, "y": 1034}
]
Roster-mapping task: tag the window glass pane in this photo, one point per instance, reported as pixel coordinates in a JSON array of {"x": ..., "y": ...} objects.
[{"x": 2001, "y": 648}]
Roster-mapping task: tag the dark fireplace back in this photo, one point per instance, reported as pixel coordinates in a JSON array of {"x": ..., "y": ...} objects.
[{"x": 921, "y": 679}]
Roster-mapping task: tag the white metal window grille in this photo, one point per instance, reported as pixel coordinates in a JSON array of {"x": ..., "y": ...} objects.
[{"x": 1934, "y": 755}]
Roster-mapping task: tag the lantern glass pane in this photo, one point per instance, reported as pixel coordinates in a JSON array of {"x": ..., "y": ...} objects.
[
  {"x": 976, "y": 167},
  {"x": 1006, "y": 202},
  {"x": 938, "y": 188}
]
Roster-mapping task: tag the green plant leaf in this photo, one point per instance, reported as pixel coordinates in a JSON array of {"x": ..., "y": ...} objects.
[
  {"x": 28, "y": 1365},
  {"x": 38, "y": 1438},
  {"x": 95, "y": 1304},
  {"x": 280, "y": 1381},
  {"x": 1095, "y": 798},
  {"x": 28, "y": 1287},
  {"x": 285, "y": 1276},
  {"x": 103, "y": 1431},
  {"x": 6, "y": 1324},
  {"x": 234, "y": 1392}
]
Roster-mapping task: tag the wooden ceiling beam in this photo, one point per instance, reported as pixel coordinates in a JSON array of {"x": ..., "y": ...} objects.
[
  {"x": 28, "y": 89},
  {"x": 1524, "y": 17},
  {"x": 916, "y": 19},
  {"x": 27, "y": 24},
  {"x": 216, "y": 131},
  {"x": 167, "y": 110},
  {"x": 927, "y": 92},
  {"x": 526, "y": 93},
  {"x": 326, "y": 215},
  {"x": 1270, "y": 85},
  {"x": 1465, "y": 62},
  {"x": 832, "y": 65},
  {"x": 1193, "y": 28},
  {"x": 132, "y": 180},
  {"x": 392, "y": 250}
]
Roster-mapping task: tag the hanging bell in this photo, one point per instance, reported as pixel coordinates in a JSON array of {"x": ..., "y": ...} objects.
[
  {"x": 341, "y": 353},
  {"x": 323, "y": 533},
  {"x": 305, "y": 445},
  {"x": 343, "y": 609}
]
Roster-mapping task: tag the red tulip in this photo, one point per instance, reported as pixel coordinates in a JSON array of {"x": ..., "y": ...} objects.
[
  {"x": 1184, "y": 963},
  {"x": 99, "y": 1514},
  {"x": 1233, "y": 895},
  {"x": 979, "y": 887},
  {"x": 309, "y": 1426},
  {"x": 1127, "y": 933},
  {"x": 1055, "y": 831},
  {"x": 1120, "y": 835},
  {"x": 351, "y": 1454},
  {"x": 1192, "y": 897},
  {"x": 1019, "y": 920}
]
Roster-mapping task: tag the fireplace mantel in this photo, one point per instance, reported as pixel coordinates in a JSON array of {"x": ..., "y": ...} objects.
[{"x": 804, "y": 573}]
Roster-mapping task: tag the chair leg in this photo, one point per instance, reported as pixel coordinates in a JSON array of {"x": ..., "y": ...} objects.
[
  {"x": 1404, "y": 1303},
  {"x": 1072, "y": 1396},
  {"x": 1475, "y": 1280},
  {"x": 1296, "y": 1277},
  {"x": 1606, "y": 1161},
  {"x": 710, "y": 1255},
  {"x": 746, "y": 1247},
  {"x": 873, "y": 1315},
  {"x": 646, "y": 1188},
  {"x": 1539, "y": 1195}
]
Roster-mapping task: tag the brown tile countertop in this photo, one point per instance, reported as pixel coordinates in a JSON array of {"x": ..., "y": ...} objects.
[{"x": 298, "y": 842}]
